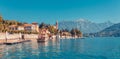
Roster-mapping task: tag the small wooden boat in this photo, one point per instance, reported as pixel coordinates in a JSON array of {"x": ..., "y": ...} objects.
[
  {"x": 16, "y": 42},
  {"x": 42, "y": 38}
]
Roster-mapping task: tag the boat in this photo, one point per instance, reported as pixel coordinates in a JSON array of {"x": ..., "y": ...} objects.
[{"x": 42, "y": 38}]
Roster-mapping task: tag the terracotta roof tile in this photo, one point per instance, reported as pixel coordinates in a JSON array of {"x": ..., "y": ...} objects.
[
  {"x": 13, "y": 26},
  {"x": 27, "y": 24}
]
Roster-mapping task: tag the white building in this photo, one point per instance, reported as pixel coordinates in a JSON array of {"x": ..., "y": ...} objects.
[
  {"x": 26, "y": 27},
  {"x": 20, "y": 27}
]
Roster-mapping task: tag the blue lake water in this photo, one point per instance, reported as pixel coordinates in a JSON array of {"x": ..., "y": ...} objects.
[{"x": 88, "y": 48}]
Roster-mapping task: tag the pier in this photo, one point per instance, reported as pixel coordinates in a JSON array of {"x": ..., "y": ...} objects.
[
  {"x": 15, "y": 41},
  {"x": 10, "y": 39}
]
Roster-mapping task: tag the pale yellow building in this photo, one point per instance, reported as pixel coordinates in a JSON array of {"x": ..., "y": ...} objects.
[{"x": 26, "y": 27}]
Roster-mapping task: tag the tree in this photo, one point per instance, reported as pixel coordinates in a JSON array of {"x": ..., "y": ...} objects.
[
  {"x": 20, "y": 24},
  {"x": 1, "y": 19},
  {"x": 73, "y": 32},
  {"x": 42, "y": 25},
  {"x": 76, "y": 32},
  {"x": 52, "y": 29}
]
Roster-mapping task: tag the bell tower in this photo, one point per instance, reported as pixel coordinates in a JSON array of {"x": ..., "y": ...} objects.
[{"x": 56, "y": 24}]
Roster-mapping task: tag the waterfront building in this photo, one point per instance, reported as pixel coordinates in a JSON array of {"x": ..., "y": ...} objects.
[
  {"x": 26, "y": 27},
  {"x": 44, "y": 32},
  {"x": 35, "y": 26},
  {"x": 13, "y": 27},
  {"x": 66, "y": 34},
  {"x": 20, "y": 27},
  {"x": 31, "y": 27}
]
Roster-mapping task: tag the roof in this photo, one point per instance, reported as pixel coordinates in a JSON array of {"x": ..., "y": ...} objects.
[
  {"x": 13, "y": 26},
  {"x": 20, "y": 26},
  {"x": 27, "y": 24},
  {"x": 34, "y": 23},
  {"x": 66, "y": 33}
]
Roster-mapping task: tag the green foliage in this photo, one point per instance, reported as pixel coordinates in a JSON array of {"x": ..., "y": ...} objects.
[
  {"x": 52, "y": 29},
  {"x": 49, "y": 27},
  {"x": 73, "y": 32},
  {"x": 4, "y": 24},
  {"x": 65, "y": 30},
  {"x": 76, "y": 32},
  {"x": 1, "y": 19},
  {"x": 10, "y": 22},
  {"x": 42, "y": 25}
]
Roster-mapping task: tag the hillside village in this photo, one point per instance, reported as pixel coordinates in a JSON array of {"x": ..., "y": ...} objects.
[{"x": 13, "y": 26}]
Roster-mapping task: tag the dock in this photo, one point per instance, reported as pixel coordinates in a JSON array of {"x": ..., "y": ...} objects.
[
  {"x": 9, "y": 39},
  {"x": 15, "y": 41}
]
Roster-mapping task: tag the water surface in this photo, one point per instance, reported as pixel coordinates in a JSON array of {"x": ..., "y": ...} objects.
[{"x": 88, "y": 48}]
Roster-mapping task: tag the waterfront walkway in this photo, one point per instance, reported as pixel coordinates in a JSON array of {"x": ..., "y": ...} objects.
[{"x": 16, "y": 38}]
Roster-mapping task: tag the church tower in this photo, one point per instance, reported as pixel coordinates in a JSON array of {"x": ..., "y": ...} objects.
[{"x": 56, "y": 24}]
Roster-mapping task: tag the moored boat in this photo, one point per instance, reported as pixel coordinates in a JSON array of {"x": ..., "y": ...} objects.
[{"x": 42, "y": 38}]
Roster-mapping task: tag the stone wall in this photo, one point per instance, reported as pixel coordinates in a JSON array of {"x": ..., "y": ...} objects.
[{"x": 18, "y": 36}]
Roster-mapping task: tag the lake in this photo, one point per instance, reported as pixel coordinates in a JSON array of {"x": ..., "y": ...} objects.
[{"x": 88, "y": 48}]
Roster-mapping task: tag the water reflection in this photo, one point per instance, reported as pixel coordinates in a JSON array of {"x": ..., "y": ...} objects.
[
  {"x": 1, "y": 51},
  {"x": 63, "y": 49},
  {"x": 30, "y": 50}
]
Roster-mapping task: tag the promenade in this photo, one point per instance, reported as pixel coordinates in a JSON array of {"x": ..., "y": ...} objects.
[{"x": 16, "y": 37}]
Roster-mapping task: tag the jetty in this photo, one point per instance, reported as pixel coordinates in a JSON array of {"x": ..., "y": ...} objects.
[
  {"x": 10, "y": 39},
  {"x": 15, "y": 41}
]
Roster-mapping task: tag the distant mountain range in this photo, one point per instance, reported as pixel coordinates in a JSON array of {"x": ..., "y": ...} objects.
[
  {"x": 112, "y": 31},
  {"x": 84, "y": 25}
]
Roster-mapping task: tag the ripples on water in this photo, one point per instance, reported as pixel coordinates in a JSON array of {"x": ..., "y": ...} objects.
[{"x": 89, "y": 48}]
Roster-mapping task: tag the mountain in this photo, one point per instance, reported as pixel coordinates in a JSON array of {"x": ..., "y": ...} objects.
[
  {"x": 84, "y": 25},
  {"x": 112, "y": 31}
]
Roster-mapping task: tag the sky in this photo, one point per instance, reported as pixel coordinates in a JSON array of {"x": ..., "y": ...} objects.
[{"x": 50, "y": 11}]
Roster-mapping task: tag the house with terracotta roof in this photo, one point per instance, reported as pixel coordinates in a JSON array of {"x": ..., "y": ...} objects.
[
  {"x": 13, "y": 27},
  {"x": 27, "y": 27},
  {"x": 20, "y": 27},
  {"x": 35, "y": 26}
]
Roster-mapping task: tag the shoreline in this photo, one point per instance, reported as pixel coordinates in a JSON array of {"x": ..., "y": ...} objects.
[
  {"x": 4, "y": 38},
  {"x": 16, "y": 37}
]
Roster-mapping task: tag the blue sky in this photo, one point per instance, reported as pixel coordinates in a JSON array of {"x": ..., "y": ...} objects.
[{"x": 49, "y": 11}]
